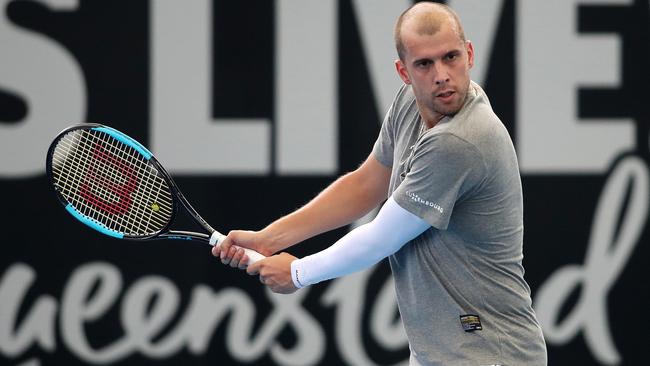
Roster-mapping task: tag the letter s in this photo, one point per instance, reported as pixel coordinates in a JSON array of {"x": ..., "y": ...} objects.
[{"x": 50, "y": 81}]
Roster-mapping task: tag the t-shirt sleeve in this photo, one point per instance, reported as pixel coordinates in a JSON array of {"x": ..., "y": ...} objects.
[
  {"x": 384, "y": 145},
  {"x": 440, "y": 172}
]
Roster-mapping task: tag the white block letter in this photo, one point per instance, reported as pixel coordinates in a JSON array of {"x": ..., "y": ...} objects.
[
  {"x": 184, "y": 135},
  {"x": 554, "y": 62},
  {"x": 50, "y": 81},
  {"x": 306, "y": 109}
]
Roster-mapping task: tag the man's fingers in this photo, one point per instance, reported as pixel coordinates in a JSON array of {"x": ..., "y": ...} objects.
[
  {"x": 226, "y": 243},
  {"x": 221, "y": 250},
  {"x": 236, "y": 257},
  {"x": 225, "y": 251},
  {"x": 216, "y": 250},
  {"x": 231, "y": 251},
  {"x": 254, "y": 268},
  {"x": 243, "y": 262},
  {"x": 231, "y": 254}
]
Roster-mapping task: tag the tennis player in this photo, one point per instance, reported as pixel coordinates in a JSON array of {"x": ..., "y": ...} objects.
[{"x": 452, "y": 226}]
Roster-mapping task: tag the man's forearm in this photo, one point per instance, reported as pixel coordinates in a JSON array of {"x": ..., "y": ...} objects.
[
  {"x": 347, "y": 199},
  {"x": 360, "y": 248}
]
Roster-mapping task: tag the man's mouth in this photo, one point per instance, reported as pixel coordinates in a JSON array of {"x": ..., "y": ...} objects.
[{"x": 445, "y": 94}]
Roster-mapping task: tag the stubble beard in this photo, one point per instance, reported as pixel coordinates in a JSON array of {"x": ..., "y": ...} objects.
[{"x": 448, "y": 109}]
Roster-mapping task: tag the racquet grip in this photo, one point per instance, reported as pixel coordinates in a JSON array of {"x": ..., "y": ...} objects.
[{"x": 217, "y": 238}]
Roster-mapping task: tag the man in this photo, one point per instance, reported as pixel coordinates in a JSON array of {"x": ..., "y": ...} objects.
[{"x": 453, "y": 222}]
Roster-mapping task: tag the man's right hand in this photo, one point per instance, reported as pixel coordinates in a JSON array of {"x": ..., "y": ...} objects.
[{"x": 235, "y": 257}]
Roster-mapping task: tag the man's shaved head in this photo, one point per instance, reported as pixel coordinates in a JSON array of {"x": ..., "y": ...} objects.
[{"x": 428, "y": 17}]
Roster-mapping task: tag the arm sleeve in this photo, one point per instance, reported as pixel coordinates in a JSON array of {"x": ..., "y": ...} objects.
[{"x": 362, "y": 247}]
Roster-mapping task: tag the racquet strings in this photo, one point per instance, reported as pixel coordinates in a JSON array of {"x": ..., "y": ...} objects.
[{"x": 111, "y": 183}]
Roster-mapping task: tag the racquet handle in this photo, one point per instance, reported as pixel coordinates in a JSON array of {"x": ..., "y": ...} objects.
[{"x": 217, "y": 238}]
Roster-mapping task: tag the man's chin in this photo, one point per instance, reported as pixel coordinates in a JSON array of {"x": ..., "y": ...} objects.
[{"x": 447, "y": 110}]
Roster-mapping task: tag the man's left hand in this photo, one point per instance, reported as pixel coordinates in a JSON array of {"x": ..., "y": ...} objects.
[{"x": 275, "y": 272}]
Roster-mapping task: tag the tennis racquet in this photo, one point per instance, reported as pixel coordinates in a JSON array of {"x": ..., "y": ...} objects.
[{"x": 113, "y": 184}]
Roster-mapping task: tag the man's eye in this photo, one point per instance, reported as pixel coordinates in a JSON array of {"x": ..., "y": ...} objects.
[
  {"x": 423, "y": 63},
  {"x": 452, "y": 57}
]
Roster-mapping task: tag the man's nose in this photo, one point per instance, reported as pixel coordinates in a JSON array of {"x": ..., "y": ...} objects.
[{"x": 441, "y": 76}]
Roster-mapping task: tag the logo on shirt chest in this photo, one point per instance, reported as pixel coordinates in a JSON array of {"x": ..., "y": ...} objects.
[{"x": 414, "y": 197}]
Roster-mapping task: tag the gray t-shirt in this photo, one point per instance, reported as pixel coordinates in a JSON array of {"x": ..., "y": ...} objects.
[{"x": 460, "y": 285}]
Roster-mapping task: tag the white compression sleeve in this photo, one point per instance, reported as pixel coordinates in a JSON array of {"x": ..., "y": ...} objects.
[{"x": 360, "y": 248}]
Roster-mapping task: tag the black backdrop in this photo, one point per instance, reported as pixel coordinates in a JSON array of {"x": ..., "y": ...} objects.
[{"x": 70, "y": 296}]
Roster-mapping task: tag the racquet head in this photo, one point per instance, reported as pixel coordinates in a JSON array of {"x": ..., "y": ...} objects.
[{"x": 110, "y": 182}]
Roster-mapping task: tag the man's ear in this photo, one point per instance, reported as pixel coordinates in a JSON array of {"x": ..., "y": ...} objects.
[
  {"x": 402, "y": 72},
  {"x": 470, "y": 53}
]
